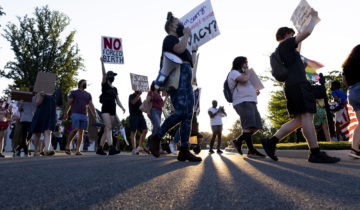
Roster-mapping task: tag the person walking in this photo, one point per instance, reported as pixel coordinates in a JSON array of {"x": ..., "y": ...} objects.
[
  {"x": 137, "y": 122},
  {"x": 351, "y": 78},
  {"x": 301, "y": 103},
  {"x": 79, "y": 101},
  {"x": 108, "y": 98},
  {"x": 183, "y": 97},
  {"x": 244, "y": 96},
  {"x": 216, "y": 115}
]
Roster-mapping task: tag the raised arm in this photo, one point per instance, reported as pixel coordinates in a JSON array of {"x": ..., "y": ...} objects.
[
  {"x": 103, "y": 71},
  {"x": 244, "y": 77},
  {"x": 181, "y": 46},
  {"x": 308, "y": 30},
  {"x": 39, "y": 98}
]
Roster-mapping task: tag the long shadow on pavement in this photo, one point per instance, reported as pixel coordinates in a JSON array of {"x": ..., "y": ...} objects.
[
  {"x": 335, "y": 187},
  {"x": 77, "y": 183}
]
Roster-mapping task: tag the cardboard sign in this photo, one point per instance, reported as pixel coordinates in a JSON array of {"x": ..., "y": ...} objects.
[
  {"x": 19, "y": 95},
  {"x": 301, "y": 16},
  {"x": 139, "y": 82},
  {"x": 45, "y": 81},
  {"x": 112, "y": 50},
  {"x": 255, "y": 81},
  {"x": 202, "y": 23}
]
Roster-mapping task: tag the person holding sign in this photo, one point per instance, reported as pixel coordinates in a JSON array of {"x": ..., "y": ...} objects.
[
  {"x": 244, "y": 95},
  {"x": 301, "y": 103},
  {"x": 183, "y": 97},
  {"x": 108, "y": 98}
]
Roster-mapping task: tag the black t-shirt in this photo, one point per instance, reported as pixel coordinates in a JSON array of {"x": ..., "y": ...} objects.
[
  {"x": 292, "y": 60},
  {"x": 168, "y": 45},
  {"x": 352, "y": 76},
  {"x": 134, "y": 109},
  {"x": 108, "y": 93}
]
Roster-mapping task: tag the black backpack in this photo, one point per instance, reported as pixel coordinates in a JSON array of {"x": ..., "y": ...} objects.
[
  {"x": 227, "y": 91},
  {"x": 278, "y": 68}
]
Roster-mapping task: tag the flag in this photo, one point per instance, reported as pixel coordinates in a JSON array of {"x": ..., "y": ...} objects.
[
  {"x": 348, "y": 127},
  {"x": 310, "y": 68}
]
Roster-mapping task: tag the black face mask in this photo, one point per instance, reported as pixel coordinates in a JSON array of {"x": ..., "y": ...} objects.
[
  {"x": 111, "y": 79},
  {"x": 180, "y": 30}
]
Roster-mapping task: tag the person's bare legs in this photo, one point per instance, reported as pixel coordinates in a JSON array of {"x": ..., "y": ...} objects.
[
  {"x": 287, "y": 128},
  {"x": 71, "y": 137},
  {"x": 142, "y": 137},
  {"x": 107, "y": 130},
  {"x": 47, "y": 140},
  {"x": 2, "y": 135},
  {"x": 308, "y": 129},
  {"x": 79, "y": 140},
  {"x": 37, "y": 143},
  {"x": 356, "y": 136},
  {"x": 326, "y": 131}
]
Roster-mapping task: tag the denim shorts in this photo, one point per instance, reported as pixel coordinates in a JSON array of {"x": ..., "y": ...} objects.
[
  {"x": 79, "y": 121},
  {"x": 354, "y": 96}
]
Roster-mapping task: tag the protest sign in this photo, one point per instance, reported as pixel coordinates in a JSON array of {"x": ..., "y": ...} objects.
[
  {"x": 112, "y": 50},
  {"x": 45, "y": 81},
  {"x": 255, "y": 81},
  {"x": 201, "y": 20},
  {"x": 139, "y": 82},
  {"x": 18, "y": 95},
  {"x": 301, "y": 16}
]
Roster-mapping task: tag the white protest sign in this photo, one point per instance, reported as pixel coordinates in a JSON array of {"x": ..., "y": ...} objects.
[
  {"x": 255, "y": 81},
  {"x": 301, "y": 16},
  {"x": 112, "y": 50},
  {"x": 139, "y": 82},
  {"x": 202, "y": 23}
]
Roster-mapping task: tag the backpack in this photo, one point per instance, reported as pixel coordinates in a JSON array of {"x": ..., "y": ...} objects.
[
  {"x": 227, "y": 91},
  {"x": 278, "y": 68}
]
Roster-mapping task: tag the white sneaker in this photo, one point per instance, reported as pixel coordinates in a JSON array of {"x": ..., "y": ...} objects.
[
  {"x": 172, "y": 147},
  {"x": 135, "y": 152}
]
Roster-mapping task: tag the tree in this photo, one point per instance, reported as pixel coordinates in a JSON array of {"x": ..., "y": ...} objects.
[{"x": 38, "y": 46}]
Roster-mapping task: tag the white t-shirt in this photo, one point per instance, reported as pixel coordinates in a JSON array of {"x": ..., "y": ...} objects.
[
  {"x": 217, "y": 119},
  {"x": 243, "y": 91}
]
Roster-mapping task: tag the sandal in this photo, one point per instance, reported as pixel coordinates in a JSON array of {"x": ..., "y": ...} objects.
[{"x": 67, "y": 151}]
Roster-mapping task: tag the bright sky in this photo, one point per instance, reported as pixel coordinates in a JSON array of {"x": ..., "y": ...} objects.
[{"x": 247, "y": 28}]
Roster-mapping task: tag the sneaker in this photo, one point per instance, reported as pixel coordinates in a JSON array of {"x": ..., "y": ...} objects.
[
  {"x": 269, "y": 148},
  {"x": 322, "y": 157},
  {"x": 185, "y": 154},
  {"x": 211, "y": 151},
  {"x": 100, "y": 151},
  {"x": 78, "y": 153},
  {"x": 219, "y": 151},
  {"x": 113, "y": 150},
  {"x": 135, "y": 152},
  {"x": 2, "y": 156},
  {"x": 255, "y": 154},
  {"x": 172, "y": 147},
  {"x": 355, "y": 154},
  {"x": 237, "y": 145},
  {"x": 155, "y": 145}
]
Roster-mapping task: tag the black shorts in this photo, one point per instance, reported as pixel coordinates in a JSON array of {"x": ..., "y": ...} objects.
[
  {"x": 109, "y": 108},
  {"x": 137, "y": 123},
  {"x": 300, "y": 99}
]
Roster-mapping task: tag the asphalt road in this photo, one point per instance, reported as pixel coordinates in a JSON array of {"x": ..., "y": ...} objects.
[{"x": 227, "y": 181}]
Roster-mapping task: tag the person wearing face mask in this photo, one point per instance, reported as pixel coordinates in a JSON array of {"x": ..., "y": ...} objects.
[
  {"x": 183, "y": 97},
  {"x": 79, "y": 101},
  {"x": 108, "y": 98}
]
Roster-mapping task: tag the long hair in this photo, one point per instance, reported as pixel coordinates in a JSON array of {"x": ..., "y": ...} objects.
[{"x": 353, "y": 60}]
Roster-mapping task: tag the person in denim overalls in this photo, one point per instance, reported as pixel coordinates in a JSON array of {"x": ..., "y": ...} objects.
[{"x": 182, "y": 98}]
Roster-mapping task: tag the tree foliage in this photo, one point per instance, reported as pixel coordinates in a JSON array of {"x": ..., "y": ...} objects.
[{"x": 38, "y": 46}]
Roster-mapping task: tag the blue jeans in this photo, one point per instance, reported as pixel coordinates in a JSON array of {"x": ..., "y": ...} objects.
[
  {"x": 155, "y": 117},
  {"x": 183, "y": 102}
]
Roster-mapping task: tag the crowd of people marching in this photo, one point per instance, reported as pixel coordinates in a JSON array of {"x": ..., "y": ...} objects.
[{"x": 37, "y": 121}]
